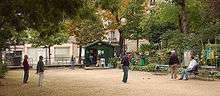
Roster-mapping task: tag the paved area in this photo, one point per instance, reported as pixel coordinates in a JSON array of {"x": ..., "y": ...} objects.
[{"x": 66, "y": 82}]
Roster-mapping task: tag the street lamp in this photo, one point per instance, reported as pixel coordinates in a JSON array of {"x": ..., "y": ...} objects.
[{"x": 123, "y": 22}]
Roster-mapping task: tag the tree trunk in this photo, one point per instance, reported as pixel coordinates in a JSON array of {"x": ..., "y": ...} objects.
[
  {"x": 137, "y": 44},
  {"x": 46, "y": 56},
  {"x": 121, "y": 39},
  {"x": 0, "y": 55},
  {"x": 183, "y": 17},
  {"x": 121, "y": 44},
  {"x": 80, "y": 52}
]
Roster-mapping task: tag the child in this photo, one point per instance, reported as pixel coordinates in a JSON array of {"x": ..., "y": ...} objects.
[{"x": 40, "y": 70}]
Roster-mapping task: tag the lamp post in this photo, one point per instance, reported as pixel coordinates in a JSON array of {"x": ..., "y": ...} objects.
[{"x": 123, "y": 22}]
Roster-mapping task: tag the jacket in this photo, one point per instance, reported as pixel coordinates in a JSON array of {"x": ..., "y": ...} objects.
[
  {"x": 40, "y": 66},
  {"x": 26, "y": 65},
  {"x": 173, "y": 60}
]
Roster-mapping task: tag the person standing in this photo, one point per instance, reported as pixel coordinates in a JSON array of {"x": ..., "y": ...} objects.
[
  {"x": 73, "y": 61},
  {"x": 125, "y": 67},
  {"x": 40, "y": 71},
  {"x": 173, "y": 62},
  {"x": 26, "y": 69}
]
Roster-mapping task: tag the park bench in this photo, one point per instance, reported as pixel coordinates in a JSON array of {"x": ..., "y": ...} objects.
[
  {"x": 194, "y": 71},
  {"x": 161, "y": 68},
  {"x": 207, "y": 72}
]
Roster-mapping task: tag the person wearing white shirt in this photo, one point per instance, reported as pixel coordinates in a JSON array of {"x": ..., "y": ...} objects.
[{"x": 189, "y": 69}]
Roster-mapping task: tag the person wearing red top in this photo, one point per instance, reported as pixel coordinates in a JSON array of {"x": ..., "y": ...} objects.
[{"x": 26, "y": 69}]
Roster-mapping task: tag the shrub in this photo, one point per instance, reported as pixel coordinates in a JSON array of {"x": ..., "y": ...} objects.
[
  {"x": 133, "y": 61},
  {"x": 148, "y": 67},
  {"x": 132, "y": 67},
  {"x": 3, "y": 69},
  {"x": 179, "y": 70},
  {"x": 114, "y": 61},
  {"x": 151, "y": 67},
  {"x": 215, "y": 74}
]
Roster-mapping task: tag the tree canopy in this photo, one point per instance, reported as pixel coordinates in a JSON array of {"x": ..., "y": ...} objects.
[{"x": 43, "y": 16}]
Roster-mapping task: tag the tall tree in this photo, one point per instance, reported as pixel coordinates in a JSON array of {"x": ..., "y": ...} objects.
[
  {"x": 116, "y": 8},
  {"x": 86, "y": 31},
  {"x": 134, "y": 15},
  {"x": 19, "y": 15},
  {"x": 88, "y": 26}
]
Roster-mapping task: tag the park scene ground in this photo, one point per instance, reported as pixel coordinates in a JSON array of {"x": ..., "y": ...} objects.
[{"x": 80, "y": 82}]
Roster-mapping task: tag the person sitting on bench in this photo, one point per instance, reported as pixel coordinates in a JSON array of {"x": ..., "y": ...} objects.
[{"x": 191, "y": 68}]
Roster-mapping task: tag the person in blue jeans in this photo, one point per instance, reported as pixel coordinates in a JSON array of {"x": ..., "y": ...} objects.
[
  {"x": 125, "y": 67},
  {"x": 189, "y": 69}
]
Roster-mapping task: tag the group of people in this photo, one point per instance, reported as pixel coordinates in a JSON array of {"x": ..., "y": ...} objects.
[
  {"x": 173, "y": 63},
  {"x": 39, "y": 71}
]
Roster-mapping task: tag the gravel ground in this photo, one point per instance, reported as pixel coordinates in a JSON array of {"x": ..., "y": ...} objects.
[{"x": 79, "y": 82}]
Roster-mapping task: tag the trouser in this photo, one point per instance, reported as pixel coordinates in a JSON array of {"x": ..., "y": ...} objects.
[
  {"x": 72, "y": 66},
  {"x": 125, "y": 76},
  {"x": 26, "y": 75},
  {"x": 40, "y": 80},
  {"x": 185, "y": 74},
  {"x": 173, "y": 71}
]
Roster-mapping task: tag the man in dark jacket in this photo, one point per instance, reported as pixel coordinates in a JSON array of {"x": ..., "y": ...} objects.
[
  {"x": 40, "y": 70},
  {"x": 173, "y": 62},
  {"x": 26, "y": 69},
  {"x": 125, "y": 67}
]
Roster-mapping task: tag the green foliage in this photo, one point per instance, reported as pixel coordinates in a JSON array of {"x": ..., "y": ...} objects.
[
  {"x": 147, "y": 68},
  {"x": 162, "y": 25},
  {"x": 133, "y": 61},
  {"x": 163, "y": 56},
  {"x": 148, "y": 47},
  {"x": 112, "y": 5},
  {"x": 43, "y": 16},
  {"x": 179, "y": 70},
  {"x": 3, "y": 69},
  {"x": 88, "y": 31},
  {"x": 115, "y": 61},
  {"x": 47, "y": 36},
  {"x": 215, "y": 74},
  {"x": 134, "y": 15}
]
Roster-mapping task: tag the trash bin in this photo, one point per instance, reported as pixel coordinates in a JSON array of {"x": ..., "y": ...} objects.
[{"x": 142, "y": 61}]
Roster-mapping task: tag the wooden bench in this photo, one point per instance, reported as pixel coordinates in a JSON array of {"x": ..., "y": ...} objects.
[
  {"x": 194, "y": 71},
  {"x": 161, "y": 69},
  {"x": 207, "y": 72}
]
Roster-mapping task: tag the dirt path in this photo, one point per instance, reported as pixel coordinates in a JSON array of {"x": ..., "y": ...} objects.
[{"x": 65, "y": 82}]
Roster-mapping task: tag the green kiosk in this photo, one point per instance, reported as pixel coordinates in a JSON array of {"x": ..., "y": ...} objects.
[{"x": 98, "y": 50}]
